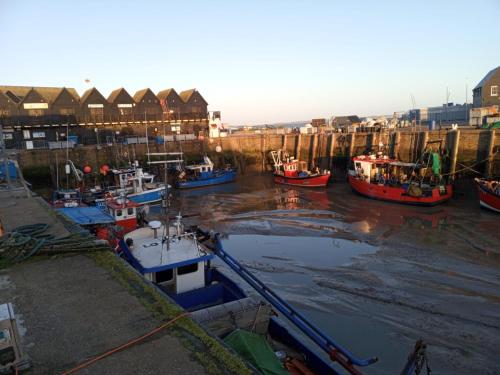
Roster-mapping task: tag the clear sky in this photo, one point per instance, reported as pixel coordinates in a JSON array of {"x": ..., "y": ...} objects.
[{"x": 257, "y": 61}]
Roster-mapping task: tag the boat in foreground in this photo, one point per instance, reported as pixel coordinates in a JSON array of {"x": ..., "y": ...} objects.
[
  {"x": 204, "y": 174},
  {"x": 382, "y": 178},
  {"x": 489, "y": 193},
  {"x": 290, "y": 171},
  {"x": 179, "y": 263}
]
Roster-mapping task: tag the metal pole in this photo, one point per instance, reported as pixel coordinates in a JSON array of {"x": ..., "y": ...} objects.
[{"x": 4, "y": 156}]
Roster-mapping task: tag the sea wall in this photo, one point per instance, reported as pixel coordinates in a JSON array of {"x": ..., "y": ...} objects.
[{"x": 477, "y": 149}]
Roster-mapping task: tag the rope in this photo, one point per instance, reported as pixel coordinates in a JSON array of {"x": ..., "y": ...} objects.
[
  {"x": 124, "y": 346},
  {"x": 472, "y": 166},
  {"x": 27, "y": 240}
]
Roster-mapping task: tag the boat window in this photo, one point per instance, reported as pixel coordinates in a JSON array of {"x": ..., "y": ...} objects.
[
  {"x": 130, "y": 211},
  {"x": 164, "y": 276},
  {"x": 118, "y": 212},
  {"x": 187, "y": 269}
]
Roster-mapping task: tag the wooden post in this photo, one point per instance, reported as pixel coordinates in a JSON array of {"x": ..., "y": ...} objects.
[
  {"x": 491, "y": 155},
  {"x": 352, "y": 139},
  {"x": 331, "y": 151},
  {"x": 297, "y": 146},
  {"x": 454, "y": 153},
  {"x": 314, "y": 149},
  {"x": 283, "y": 147},
  {"x": 262, "y": 151},
  {"x": 425, "y": 139},
  {"x": 397, "y": 141}
]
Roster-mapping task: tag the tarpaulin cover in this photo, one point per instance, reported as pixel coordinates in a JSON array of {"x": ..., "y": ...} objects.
[
  {"x": 86, "y": 215},
  {"x": 256, "y": 350},
  {"x": 436, "y": 163}
]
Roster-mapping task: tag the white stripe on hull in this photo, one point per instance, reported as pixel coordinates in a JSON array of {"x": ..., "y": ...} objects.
[{"x": 486, "y": 205}]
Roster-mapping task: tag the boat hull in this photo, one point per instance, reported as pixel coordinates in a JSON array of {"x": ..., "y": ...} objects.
[
  {"x": 308, "y": 181},
  {"x": 148, "y": 196},
  {"x": 487, "y": 199},
  {"x": 398, "y": 194},
  {"x": 222, "y": 178}
]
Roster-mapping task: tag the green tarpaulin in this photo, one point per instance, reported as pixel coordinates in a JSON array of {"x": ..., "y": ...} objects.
[
  {"x": 256, "y": 350},
  {"x": 436, "y": 163}
]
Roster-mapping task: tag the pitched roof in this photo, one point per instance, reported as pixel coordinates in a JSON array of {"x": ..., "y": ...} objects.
[
  {"x": 89, "y": 92},
  {"x": 140, "y": 94},
  {"x": 186, "y": 95},
  {"x": 485, "y": 79},
  {"x": 48, "y": 93},
  {"x": 115, "y": 93},
  {"x": 343, "y": 120},
  {"x": 165, "y": 93}
]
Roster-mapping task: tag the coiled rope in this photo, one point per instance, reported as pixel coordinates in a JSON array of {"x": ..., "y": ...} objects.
[{"x": 27, "y": 240}]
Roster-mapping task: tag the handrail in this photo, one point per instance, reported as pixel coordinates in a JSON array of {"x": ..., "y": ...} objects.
[{"x": 332, "y": 348}]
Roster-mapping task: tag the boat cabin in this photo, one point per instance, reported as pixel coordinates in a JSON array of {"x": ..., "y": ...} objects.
[
  {"x": 178, "y": 267},
  {"x": 383, "y": 170},
  {"x": 202, "y": 170},
  {"x": 66, "y": 198},
  {"x": 124, "y": 212}
]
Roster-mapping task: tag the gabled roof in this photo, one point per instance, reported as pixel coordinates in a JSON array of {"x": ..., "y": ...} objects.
[
  {"x": 139, "y": 95},
  {"x": 114, "y": 94},
  {"x": 186, "y": 95},
  {"x": 87, "y": 93},
  {"x": 342, "y": 120},
  {"x": 485, "y": 79},
  {"x": 165, "y": 93},
  {"x": 50, "y": 94}
]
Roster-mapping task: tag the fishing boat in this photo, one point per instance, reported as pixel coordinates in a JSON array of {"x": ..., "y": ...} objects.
[
  {"x": 380, "y": 177},
  {"x": 66, "y": 198},
  {"x": 489, "y": 193},
  {"x": 290, "y": 171},
  {"x": 138, "y": 185},
  {"x": 204, "y": 174},
  {"x": 178, "y": 261}
]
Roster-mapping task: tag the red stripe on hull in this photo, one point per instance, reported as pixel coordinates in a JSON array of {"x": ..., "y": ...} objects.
[
  {"x": 316, "y": 181},
  {"x": 488, "y": 199},
  {"x": 397, "y": 194}
]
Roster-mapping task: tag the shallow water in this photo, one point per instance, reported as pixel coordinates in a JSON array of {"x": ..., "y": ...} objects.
[{"x": 376, "y": 276}]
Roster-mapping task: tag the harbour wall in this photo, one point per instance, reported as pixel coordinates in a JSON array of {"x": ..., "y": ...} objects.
[{"x": 476, "y": 149}]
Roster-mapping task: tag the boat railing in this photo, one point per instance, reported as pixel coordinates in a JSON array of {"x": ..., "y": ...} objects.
[{"x": 336, "y": 352}]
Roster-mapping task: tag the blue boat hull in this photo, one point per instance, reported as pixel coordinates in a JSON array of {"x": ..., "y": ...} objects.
[
  {"x": 220, "y": 177},
  {"x": 148, "y": 196}
]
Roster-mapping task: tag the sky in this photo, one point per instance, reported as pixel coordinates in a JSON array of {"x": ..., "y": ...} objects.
[{"x": 257, "y": 61}]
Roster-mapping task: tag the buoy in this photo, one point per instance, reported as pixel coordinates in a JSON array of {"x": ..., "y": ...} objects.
[
  {"x": 218, "y": 148},
  {"x": 87, "y": 169},
  {"x": 105, "y": 168}
]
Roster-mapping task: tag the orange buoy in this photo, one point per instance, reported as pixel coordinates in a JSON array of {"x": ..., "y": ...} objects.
[{"x": 87, "y": 169}]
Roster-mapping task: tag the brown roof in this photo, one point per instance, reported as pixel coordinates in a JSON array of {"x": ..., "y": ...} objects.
[
  {"x": 114, "y": 94},
  {"x": 140, "y": 94},
  {"x": 186, "y": 95},
  {"x": 165, "y": 93},
  {"x": 48, "y": 93}
]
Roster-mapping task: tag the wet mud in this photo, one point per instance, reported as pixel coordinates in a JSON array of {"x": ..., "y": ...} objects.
[{"x": 376, "y": 276}]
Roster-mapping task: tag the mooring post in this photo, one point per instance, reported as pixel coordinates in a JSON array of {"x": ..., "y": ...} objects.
[
  {"x": 352, "y": 139},
  {"x": 314, "y": 149},
  {"x": 491, "y": 155},
  {"x": 297, "y": 146},
  {"x": 396, "y": 141},
  {"x": 330, "y": 152},
  {"x": 262, "y": 148},
  {"x": 454, "y": 153},
  {"x": 425, "y": 139},
  {"x": 283, "y": 146}
]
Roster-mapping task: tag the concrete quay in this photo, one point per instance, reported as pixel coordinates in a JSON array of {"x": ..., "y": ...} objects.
[{"x": 72, "y": 308}]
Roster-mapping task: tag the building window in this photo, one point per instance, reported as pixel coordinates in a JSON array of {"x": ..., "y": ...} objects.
[
  {"x": 7, "y": 136},
  {"x": 35, "y": 112},
  {"x": 67, "y": 111},
  {"x": 38, "y": 134},
  {"x": 26, "y": 134},
  {"x": 96, "y": 111},
  {"x": 4, "y": 112},
  {"x": 494, "y": 90}
]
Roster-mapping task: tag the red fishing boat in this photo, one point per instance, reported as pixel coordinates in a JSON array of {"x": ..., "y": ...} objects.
[
  {"x": 290, "y": 171},
  {"x": 489, "y": 193},
  {"x": 380, "y": 177}
]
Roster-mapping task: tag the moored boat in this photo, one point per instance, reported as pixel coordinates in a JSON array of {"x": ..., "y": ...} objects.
[
  {"x": 290, "y": 171},
  {"x": 204, "y": 174},
  {"x": 489, "y": 193},
  {"x": 382, "y": 178}
]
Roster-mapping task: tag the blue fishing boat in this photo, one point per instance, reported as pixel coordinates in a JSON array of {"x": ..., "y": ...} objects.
[{"x": 204, "y": 174}]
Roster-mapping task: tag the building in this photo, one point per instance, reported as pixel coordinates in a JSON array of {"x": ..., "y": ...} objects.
[
  {"x": 94, "y": 108},
  {"x": 486, "y": 93},
  {"x": 447, "y": 113},
  {"x": 122, "y": 106},
  {"x": 171, "y": 104},
  {"x": 195, "y": 107},
  {"x": 345, "y": 121},
  {"x": 147, "y": 105}
]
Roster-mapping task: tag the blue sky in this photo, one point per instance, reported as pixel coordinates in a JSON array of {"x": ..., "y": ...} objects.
[{"x": 257, "y": 61}]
